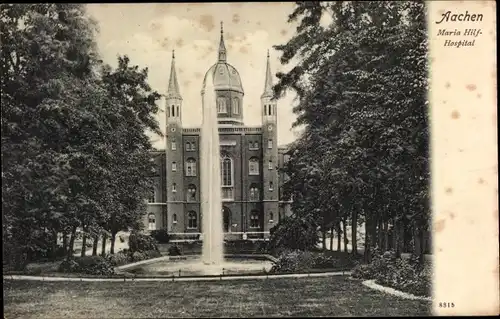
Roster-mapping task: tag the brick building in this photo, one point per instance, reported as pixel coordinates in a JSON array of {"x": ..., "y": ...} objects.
[{"x": 250, "y": 159}]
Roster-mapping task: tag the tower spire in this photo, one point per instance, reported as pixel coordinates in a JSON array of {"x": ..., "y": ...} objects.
[
  {"x": 268, "y": 84},
  {"x": 222, "y": 47},
  {"x": 173, "y": 85}
]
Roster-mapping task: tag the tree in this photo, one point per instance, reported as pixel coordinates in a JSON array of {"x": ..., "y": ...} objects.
[{"x": 362, "y": 83}]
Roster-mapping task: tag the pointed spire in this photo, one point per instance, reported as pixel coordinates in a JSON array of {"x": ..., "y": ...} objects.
[
  {"x": 222, "y": 47},
  {"x": 268, "y": 86},
  {"x": 173, "y": 85}
]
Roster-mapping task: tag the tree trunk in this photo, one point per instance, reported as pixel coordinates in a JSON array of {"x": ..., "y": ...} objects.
[
  {"x": 339, "y": 237},
  {"x": 386, "y": 236},
  {"x": 54, "y": 245},
  {"x": 323, "y": 236},
  {"x": 112, "y": 248},
  {"x": 103, "y": 246},
  {"x": 395, "y": 236},
  {"x": 367, "y": 252},
  {"x": 354, "y": 230},
  {"x": 401, "y": 237},
  {"x": 344, "y": 231},
  {"x": 332, "y": 235},
  {"x": 417, "y": 243},
  {"x": 94, "y": 245},
  {"x": 380, "y": 236},
  {"x": 84, "y": 243},
  {"x": 72, "y": 243},
  {"x": 65, "y": 242}
]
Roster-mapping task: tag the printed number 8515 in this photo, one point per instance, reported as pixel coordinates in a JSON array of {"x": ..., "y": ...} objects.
[{"x": 446, "y": 305}]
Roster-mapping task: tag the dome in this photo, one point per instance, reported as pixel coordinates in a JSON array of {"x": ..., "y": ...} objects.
[{"x": 225, "y": 77}]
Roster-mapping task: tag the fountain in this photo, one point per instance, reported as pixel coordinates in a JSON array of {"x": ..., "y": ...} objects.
[{"x": 211, "y": 201}]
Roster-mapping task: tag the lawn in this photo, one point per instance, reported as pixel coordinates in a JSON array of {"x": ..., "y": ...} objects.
[{"x": 327, "y": 296}]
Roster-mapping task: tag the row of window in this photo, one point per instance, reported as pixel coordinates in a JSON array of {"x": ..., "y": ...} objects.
[
  {"x": 191, "y": 146},
  {"x": 173, "y": 111},
  {"x": 226, "y": 168},
  {"x": 227, "y": 192},
  {"x": 222, "y": 106},
  {"x": 192, "y": 220},
  {"x": 269, "y": 109}
]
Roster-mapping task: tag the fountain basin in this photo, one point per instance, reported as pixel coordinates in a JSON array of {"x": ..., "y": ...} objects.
[{"x": 188, "y": 266}]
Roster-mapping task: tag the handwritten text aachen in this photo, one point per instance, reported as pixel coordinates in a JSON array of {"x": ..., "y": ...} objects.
[{"x": 461, "y": 17}]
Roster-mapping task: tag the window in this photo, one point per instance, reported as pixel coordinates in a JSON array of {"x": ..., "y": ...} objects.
[
  {"x": 191, "y": 167},
  {"x": 271, "y": 217},
  {"x": 270, "y": 144},
  {"x": 151, "y": 222},
  {"x": 269, "y": 112},
  {"x": 178, "y": 113},
  {"x": 271, "y": 187},
  {"x": 191, "y": 193},
  {"x": 192, "y": 220},
  {"x": 253, "y": 166},
  {"x": 193, "y": 146},
  {"x": 174, "y": 188},
  {"x": 174, "y": 166},
  {"x": 188, "y": 146},
  {"x": 253, "y": 145},
  {"x": 254, "y": 193},
  {"x": 236, "y": 106},
  {"x": 174, "y": 145},
  {"x": 152, "y": 197},
  {"x": 168, "y": 110},
  {"x": 173, "y": 111},
  {"x": 270, "y": 164},
  {"x": 221, "y": 105},
  {"x": 254, "y": 219},
  {"x": 174, "y": 219},
  {"x": 226, "y": 170}
]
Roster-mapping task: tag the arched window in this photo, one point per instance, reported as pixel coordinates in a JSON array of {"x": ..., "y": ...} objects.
[
  {"x": 254, "y": 192},
  {"x": 192, "y": 220},
  {"x": 152, "y": 196},
  {"x": 271, "y": 217},
  {"x": 271, "y": 186},
  {"x": 174, "y": 219},
  {"x": 174, "y": 166},
  {"x": 191, "y": 193},
  {"x": 174, "y": 145},
  {"x": 256, "y": 145},
  {"x": 168, "y": 111},
  {"x": 191, "y": 167},
  {"x": 269, "y": 112},
  {"x": 254, "y": 219},
  {"x": 221, "y": 105},
  {"x": 151, "y": 222},
  {"x": 193, "y": 146},
  {"x": 253, "y": 166},
  {"x": 270, "y": 165},
  {"x": 174, "y": 187},
  {"x": 173, "y": 111},
  {"x": 178, "y": 113},
  {"x": 226, "y": 171},
  {"x": 188, "y": 146},
  {"x": 236, "y": 106},
  {"x": 269, "y": 143}
]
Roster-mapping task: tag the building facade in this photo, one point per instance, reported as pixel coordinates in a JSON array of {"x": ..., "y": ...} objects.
[{"x": 250, "y": 161}]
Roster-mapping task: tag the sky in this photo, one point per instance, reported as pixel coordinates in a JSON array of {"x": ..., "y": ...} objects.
[{"x": 148, "y": 33}]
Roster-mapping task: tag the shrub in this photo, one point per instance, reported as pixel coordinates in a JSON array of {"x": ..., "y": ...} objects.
[
  {"x": 119, "y": 259},
  {"x": 294, "y": 261},
  {"x": 152, "y": 254},
  {"x": 174, "y": 250},
  {"x": 69, "y": 266},
  {"x": 141, "y": 242},
  {"x": 138, "y": 256},
  {"x": 401, "y": 274},
  {"x": 293, "y": 233},
  {"x": 161, "y": 236},
  {"x": 95, "y": 265},
  {"x": 91, "y": 265}
]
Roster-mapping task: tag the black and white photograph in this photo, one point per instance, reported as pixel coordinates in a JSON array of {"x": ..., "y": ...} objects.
[{"x": 240, "y": 160}]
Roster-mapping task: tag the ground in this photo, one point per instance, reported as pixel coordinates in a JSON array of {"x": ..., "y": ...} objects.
[{"x": 327, "y": 296}]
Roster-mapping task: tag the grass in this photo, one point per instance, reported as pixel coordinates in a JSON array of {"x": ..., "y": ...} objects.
[{"x": 328, "y": 296}]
